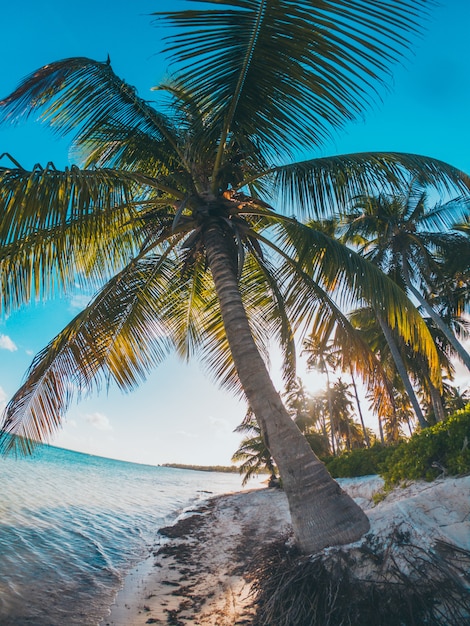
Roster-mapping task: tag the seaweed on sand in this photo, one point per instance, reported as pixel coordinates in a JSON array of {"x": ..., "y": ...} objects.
[{"x": 385, "y": 582}]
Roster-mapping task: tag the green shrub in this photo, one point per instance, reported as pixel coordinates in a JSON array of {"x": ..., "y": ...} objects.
[
  {"x": 360, "y": 462},
  {"x": 440, "y": 449}
]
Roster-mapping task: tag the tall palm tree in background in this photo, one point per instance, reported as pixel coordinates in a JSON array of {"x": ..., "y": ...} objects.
[
  {"x": 341, "y": 405},
  {"x": 299, "y": 404},
  {"x": 389, "y": 352},
  {"x": 359, "y": 409},
  {"x": 308, "y": 413},
  {"x": 170, "y": 217},
  {"x": 455, "y": 398},
  {"x": 324, "y": 358},
  {"x": 404, "y": 237},
  {"x": 449, "y": 292}
]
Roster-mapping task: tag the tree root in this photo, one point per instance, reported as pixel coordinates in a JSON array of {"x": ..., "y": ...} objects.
[{"x": 385, "y": 582}]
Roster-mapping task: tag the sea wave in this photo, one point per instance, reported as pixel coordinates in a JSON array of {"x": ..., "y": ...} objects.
[{"x": 72, "y": 525}]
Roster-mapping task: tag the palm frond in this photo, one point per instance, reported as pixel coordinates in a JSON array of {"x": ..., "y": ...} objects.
[
  {"x": 322, "y": 186},
  {"x": 84, "y": 96},
  {"x": 287, "y": 72},
  {"x": 55, "y": 225},
  {"x": 119, "y": 336},
  {"x": 446, "y": 215},
  {"x": 47, "y": 198},
  {"x": 351, "y": 279}
]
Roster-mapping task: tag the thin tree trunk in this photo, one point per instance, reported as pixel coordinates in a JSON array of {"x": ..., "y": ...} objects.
[
  {"x": 322, "y": 513},
  {"x": 402, "y": 371},
  {"x": 381, "y": 430},
  {"x": 409, "y": 426},
  {"x": 437, "y": 319},
  {"x": 330, "y": 411},
  {"x": 364, "y": 430},
  {"x": 436, "y": 402},
  {"x": 323, "y": 426}
]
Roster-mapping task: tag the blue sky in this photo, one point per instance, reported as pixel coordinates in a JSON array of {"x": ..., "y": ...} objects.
[{"x": 179, "y": 415}]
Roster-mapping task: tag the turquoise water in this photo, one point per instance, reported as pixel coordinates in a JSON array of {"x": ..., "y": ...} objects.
[{"x": 72, "y": 525}]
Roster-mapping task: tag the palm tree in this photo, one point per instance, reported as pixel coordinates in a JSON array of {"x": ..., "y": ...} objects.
[
  {"x": 390, "y": 351},
  {"x": 308, "y": 412},
  {"x": 397, "y": 348},
  {"x": 319, "y": 413},
  {"x": 346, "y": 428},
  {"x": 455, "y": 398},
  {"x": 402, "y": 415},
  {"x": 359, "y": 410},
  {"x": 170, "y": 217},
  {"x": 323, "y": 358},
  {"x": 449, "y": 293},
  {"x": 299, "y": 404},
  {"x": 253, "y": 453},
  {"x": 404, "y": 237}
]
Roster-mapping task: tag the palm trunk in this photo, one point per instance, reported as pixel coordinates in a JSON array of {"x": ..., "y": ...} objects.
[
  {"x": 437, "y": 319},
  {"x": 402, "y": 371},
  {"x": 436, "y": 400},
  {"x": 323, "y": 427},
  {"x": 322, "y": 513},
  {"x": 330, "y": 412},
  {"x": 381, "y": 430},
  {"x": 358, "y": 403}
]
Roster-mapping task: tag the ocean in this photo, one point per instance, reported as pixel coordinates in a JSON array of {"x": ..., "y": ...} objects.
[{"x": 72, "y": 525}]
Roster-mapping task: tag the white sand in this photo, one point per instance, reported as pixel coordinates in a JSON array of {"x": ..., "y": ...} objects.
[{"x": 197, "y": 578}]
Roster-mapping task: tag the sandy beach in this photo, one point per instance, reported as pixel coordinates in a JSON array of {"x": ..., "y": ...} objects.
[{"x": 197, "y": 572}]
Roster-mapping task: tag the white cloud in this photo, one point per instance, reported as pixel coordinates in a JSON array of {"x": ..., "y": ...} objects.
[
  {"x": 79, "y": 301},
  {"x": 99, "y": 421},
  {"x": 188, "y": 435},
  {"x": 7, "y": 344},
  {"x": 219, "y": 425}
]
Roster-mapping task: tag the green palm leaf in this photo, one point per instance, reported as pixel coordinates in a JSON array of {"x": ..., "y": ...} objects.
[
  {"x": 320, "y": 186},
  {"x": 284, "y": 71},
  {"x": 120, "y": 335},
  {"x": 197, "y": 327},
  {"x": 85, "y": 96},
  {"x": 335, "y": 268},
  {"x": 55, "y": 225}
]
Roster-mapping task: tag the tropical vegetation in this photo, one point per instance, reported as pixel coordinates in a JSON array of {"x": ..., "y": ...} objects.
[
  {"x": 179, "y": 216},
  {"x": 440, "y": 450}
]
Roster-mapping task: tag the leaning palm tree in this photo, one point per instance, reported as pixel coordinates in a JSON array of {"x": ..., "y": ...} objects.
[
  {"x": 449, "y": 293},
  {"x": 393, "y": 354},
  {"x": 170, "y": 216}
]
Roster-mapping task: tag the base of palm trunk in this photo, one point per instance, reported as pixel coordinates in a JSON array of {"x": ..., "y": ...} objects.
[
  {"x": 385, "y": 582},
  {"x": 332, "y": 521},
  {"x": 322, "y": 514}
]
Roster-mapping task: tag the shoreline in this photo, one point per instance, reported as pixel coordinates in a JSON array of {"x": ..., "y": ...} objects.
[
  {"x": 196, "y": 574},
  {"x": 196, "y": 569}
]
